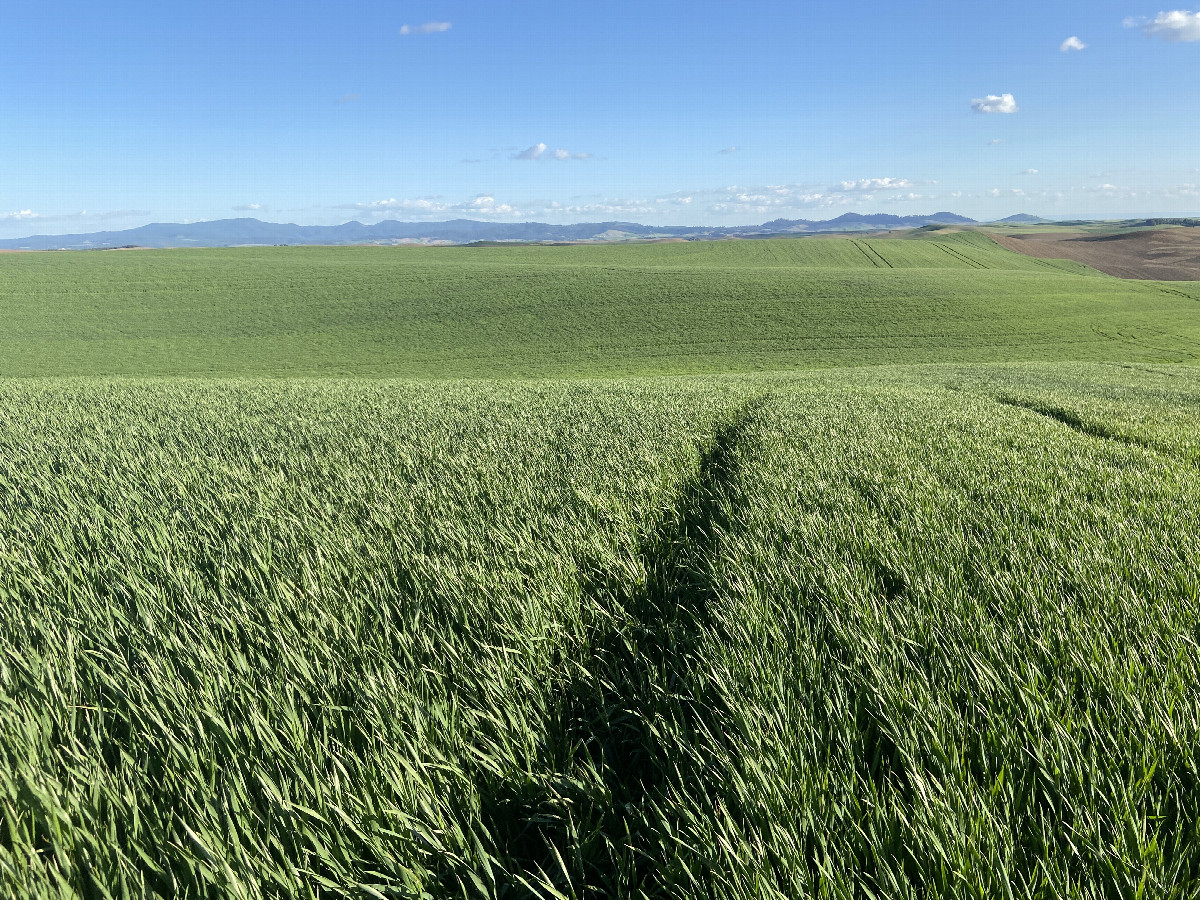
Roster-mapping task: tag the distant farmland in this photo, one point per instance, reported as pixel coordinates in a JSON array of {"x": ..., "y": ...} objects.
[
  {"x": 798, "y": 568},
  {"x": 578, "y": 310}
]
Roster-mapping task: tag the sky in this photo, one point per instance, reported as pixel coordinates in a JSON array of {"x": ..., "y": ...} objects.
[{"x": 690, "y": 112}]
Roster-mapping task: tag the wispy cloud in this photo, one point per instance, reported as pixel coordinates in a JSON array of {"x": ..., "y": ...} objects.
[
  {"x": 995, "y": 103},
  {"x": 1029, "y": 172},
  {"x": 534, "y": 152},
  {"x": 486, "y": 205},
  {"x": 349, "y": 98},
  {"x": 251, "y": 207},
  {"x": 427, "y": 28},
  {"x": 909, "y": 197},
  {"x": 775, "y": 199},
  {"x": 729, "y": 150},
  {"x": 26, "y": 215},
  {"x": 730, "y": 202},
  {"x": 1072, "y": 43},
  {"x": 994, "y": 141},
  {"x": 609, "y": 206},
  {"x": 426, "y": 207},
  {"x": 541, "y": 151},
  {"x": 1178, "y": 25},
  {"x": 117, "y": 214},
  {"x": 872, "y": 184},
  {"x": 424, "y": 204}
]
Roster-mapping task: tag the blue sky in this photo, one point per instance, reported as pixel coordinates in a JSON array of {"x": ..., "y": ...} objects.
[{"x": 659, "y": 111}]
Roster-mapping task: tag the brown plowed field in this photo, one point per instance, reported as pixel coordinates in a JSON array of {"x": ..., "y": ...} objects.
[{"x": 1158, "y": 254}]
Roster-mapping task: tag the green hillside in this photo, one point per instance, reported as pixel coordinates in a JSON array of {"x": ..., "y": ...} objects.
[{"x": 575, "y": 310}]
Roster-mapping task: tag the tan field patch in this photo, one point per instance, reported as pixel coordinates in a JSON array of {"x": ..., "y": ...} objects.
[{"x": 1156, "y": 254}]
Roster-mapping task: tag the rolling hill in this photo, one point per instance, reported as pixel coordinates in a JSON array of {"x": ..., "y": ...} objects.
[{"x": 575, "y": 310}]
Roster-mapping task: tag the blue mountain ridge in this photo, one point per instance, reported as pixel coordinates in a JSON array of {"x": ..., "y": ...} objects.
[{"x": 251, "y": 232}]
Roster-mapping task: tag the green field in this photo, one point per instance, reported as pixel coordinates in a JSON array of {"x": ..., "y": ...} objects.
[
  {"x": 913, "y": 612},
  {"x": 573, "y": 311}
]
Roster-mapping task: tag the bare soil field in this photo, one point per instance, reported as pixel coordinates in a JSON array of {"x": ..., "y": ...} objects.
[{"x": 1159, "y": 254}]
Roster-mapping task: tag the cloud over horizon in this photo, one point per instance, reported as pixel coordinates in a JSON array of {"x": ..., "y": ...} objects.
[
  {"x": 772, "y": 200},
  {"x": 28, "y": 215},
  {"x": 1176, "y": 26},
  {"x": 995, "y": 103},
  {"x": 872, "y": 184},
  {"x": 427, "y": 28},
  {"x": 541, "y": 151}
]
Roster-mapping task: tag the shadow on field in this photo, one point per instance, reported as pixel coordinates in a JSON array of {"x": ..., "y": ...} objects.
[
  {"x": 1075, "y": 422},
  {"x": 598, "y": 820}
]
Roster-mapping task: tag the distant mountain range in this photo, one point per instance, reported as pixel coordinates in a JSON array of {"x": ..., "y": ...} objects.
[{"x": 251, "y": 232}]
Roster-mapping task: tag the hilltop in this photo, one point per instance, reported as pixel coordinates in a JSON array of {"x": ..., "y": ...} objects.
[{"x": 1021, "y": 219}]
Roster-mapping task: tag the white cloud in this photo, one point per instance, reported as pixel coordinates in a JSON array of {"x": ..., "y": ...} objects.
[
  {"x": 28, "y": 215},
  {"x": 995, "y": 103},
  {"x": 908, "y": 197},
  {"x": 349, "y": 98},
  {"x": 250, "y": 207},
  {"x": 729, "y": 150},
  {"x": 534, "y": 152},
  {"x": 775, "y": 199},
  {"x": 418, "y": 204},
  {"x": 427, "y": 28},
  {"x": 872, "y": 184},
  {"x": 486, "y": 205},
  {"x": 1030, "y": 172},
  {"x": 607, "y": 207},
  {"x": 994, "y": 141},
  {"x": 1072, "y": 43},
  {"x": 539, "y": 151},
  {"x": 1175, "y": 26},
  {"x": 437, "y": 207}
]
